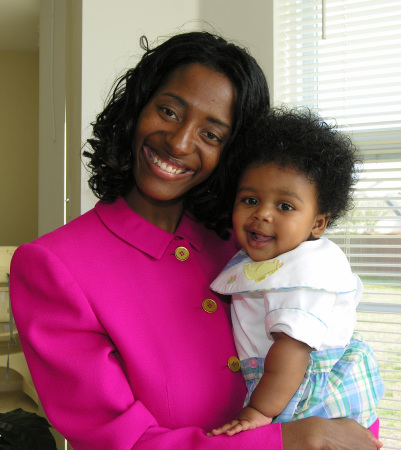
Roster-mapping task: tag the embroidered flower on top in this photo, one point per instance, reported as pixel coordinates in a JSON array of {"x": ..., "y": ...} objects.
[{"x": 258, "y": 271}]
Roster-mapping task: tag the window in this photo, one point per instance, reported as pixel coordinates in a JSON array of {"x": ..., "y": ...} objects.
[{"x": 342, "y": 58}]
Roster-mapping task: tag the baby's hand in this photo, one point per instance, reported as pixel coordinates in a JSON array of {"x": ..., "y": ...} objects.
[{"x": 248, "y": 419}]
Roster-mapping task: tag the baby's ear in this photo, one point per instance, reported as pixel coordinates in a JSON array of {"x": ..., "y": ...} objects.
[{"x": 320, "y": 225}]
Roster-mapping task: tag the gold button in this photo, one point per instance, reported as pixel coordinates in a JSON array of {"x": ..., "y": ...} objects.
[
  {"x": 181, "y": 253},
  {"x": 209, "y": 305},
  {"x": 234, "y": 364}
]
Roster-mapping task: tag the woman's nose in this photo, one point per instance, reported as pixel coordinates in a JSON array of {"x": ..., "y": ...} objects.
[{"x": 181, "y": 140}]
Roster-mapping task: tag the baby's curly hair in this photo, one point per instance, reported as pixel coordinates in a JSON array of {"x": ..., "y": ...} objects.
[{"x": 302, "y": 140}]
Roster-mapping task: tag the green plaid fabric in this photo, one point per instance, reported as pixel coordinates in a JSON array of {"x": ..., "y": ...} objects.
[{"x": 339, "y": 382}]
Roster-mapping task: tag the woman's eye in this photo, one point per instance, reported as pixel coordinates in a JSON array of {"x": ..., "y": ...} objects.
[
  {"x": 212, "y": 136},
  {"x": 168, "y": 112},
  {"x": 250, "y": 201},
  {"x": 285, "y": 207}
]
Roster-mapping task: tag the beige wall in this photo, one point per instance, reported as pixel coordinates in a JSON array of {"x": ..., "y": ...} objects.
[
  {"x": 19, "y": 100},
  {"x": 53, "y": 73}
]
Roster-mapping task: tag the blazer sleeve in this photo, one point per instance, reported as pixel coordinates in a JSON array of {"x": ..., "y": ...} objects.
[{"x": 77, "y": 372}]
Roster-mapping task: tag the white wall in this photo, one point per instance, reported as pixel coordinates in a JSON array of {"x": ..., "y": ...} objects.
[
  {"x": 248, "y": 23},
  {"x": 111, "y": 32}
]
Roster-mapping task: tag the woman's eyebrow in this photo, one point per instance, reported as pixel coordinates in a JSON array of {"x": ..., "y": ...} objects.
[
  {"x": 185, "y": 103},
  {"x": 219, "y": 122},
  {"x": 176, "y": 97}
]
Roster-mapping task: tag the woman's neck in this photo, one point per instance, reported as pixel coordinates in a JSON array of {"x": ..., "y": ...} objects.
[{"x": 164, "y": 214}]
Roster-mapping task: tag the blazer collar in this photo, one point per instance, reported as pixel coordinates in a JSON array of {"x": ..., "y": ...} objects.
[{"x": 125, "y": 223}]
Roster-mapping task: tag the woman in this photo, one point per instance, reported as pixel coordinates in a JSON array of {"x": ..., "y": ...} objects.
[{"x": 127, "y": 345}]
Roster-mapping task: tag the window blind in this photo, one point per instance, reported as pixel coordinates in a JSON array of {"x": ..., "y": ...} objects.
[{"x": 342, "y": 58}]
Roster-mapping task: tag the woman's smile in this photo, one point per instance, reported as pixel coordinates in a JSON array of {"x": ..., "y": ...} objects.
[{"x": 168, "y": 167}]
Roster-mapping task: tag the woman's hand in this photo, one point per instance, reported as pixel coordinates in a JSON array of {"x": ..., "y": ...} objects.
[{"x": 315, "y": 433}]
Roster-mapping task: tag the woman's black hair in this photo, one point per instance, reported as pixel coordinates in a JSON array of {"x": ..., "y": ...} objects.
[
  {"x": 111, "y": 160},
  {"x": 300, "y": 139}
]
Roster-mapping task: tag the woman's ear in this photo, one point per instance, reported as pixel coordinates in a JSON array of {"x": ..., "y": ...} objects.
[{"x": 320, "y": 225}]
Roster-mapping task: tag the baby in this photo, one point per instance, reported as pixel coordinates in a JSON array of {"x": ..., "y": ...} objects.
[{"x": 294, "y": 295}]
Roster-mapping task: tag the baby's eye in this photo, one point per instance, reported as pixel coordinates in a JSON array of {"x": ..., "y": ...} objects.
[
  {"x": 250, "y": 201},
  {"x": 285, "y": 207}
]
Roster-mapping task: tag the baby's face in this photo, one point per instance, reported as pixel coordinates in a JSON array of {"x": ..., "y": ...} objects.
[{"x": 275, "y": 210}]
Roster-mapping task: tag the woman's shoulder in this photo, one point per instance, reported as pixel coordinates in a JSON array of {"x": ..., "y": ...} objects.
[
  {"x": 74, "y": 237},
  {"x": 83, "y": 227},
  {"x": 71, "y": 230}
]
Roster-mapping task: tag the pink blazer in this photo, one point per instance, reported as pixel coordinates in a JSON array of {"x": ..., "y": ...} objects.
[{"x": 122, "y": 348}]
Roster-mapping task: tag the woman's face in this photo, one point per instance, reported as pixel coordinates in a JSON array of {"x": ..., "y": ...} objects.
[{"x": 182, "y": 131}]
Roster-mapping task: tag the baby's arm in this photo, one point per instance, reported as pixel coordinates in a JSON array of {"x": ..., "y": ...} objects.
[{"x": 285, "y": 367}]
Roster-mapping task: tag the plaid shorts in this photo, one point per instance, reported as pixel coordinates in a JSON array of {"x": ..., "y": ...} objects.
[{"x": 338, "y": 382}]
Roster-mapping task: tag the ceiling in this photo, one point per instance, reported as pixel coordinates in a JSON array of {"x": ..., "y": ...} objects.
[{"x": 19, "y": 25}]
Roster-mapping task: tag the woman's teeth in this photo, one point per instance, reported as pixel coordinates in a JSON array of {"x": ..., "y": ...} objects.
[{"x": 166, "y": 167}]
